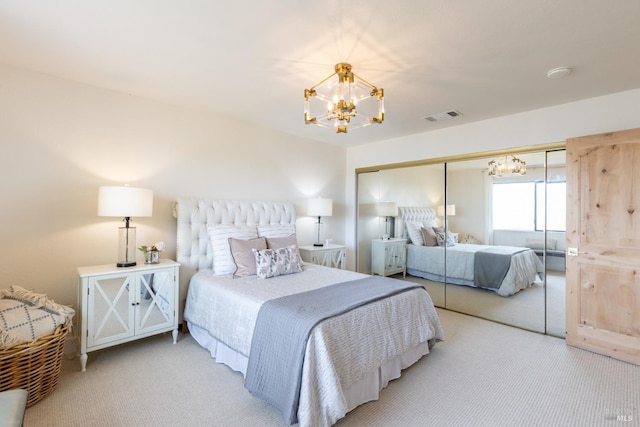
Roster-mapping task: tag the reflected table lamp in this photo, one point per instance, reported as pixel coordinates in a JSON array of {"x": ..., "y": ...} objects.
[
  {"x": 387, "y": 210},
  {"x": 319, "y": 207},
  {"x": 451, "y": 210},
  {"x": 125, "y": 202}
]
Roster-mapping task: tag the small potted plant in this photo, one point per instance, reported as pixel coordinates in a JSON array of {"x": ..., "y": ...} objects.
[{"x": 152, "y": 253}]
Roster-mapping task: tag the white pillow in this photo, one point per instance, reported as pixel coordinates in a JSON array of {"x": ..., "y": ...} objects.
[
  {"x": 276, "y": 230},
  {"x": 220, "y": 234},
  {"x": 430, "y": 223},
  {"x": 414, "y": 233}
]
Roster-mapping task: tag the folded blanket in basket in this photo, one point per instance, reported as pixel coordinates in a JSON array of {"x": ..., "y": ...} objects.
[{"x": 25, "y": 316}]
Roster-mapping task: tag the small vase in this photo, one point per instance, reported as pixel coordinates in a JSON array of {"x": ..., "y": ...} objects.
[{"x": 152, "y": 257}]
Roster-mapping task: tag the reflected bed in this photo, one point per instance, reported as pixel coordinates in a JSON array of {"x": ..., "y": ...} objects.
[{"x": 504, "y": 270}]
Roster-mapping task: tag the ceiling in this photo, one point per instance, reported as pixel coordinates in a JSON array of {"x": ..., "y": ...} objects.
[{"x": 252, "y": 60}]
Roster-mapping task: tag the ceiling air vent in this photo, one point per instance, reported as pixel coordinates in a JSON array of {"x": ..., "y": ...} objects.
[{"x": 444, "y": 116}]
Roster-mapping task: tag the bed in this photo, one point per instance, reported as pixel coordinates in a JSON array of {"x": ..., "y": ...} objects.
[
  {"x": 222, "y": 312},
  {"x": 504, "y": 270}
]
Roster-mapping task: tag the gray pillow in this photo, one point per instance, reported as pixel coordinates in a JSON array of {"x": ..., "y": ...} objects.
[
  {"x": 429, "y": 236},
  {"x": 284, "y": 242},
  {"x": 281, "y": 242},
  {"x": 242, "y": 254}
]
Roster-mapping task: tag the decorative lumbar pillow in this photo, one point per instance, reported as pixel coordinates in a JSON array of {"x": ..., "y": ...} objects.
[
  {"x": 445, "y": 238},
  {"x": 242, "y": 254},
  {"x": 429, "y": 236},
  {"x": 220, "y": 234},
  {"x": 276, "y": 230},
  {"x": 276, "y": 262},
  {"x": 25, "y": 316},
  {"x": 414, "y": 233}
]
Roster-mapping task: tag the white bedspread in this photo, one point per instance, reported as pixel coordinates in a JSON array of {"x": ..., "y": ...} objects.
[
  {"x": 392, "y": 331},
  {"x": 522, "y": 273}
]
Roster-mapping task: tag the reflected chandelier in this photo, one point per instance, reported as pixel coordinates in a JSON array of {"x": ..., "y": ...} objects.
[
  {"x": 343, "y": 100},
  {"x": 510, "y": 166}
]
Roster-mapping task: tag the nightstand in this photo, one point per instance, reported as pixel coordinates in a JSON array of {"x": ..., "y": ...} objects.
[
  {"x": 328, "y": 255},
  {"x": 121, "y": 304},
  {"x": 389, "y": 257}
]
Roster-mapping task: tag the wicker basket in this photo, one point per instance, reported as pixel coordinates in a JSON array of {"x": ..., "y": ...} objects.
[{"x": 33, "y": 365}]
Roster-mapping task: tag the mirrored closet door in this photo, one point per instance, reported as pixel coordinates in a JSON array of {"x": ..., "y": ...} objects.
[{"x": 475, "y": 211}]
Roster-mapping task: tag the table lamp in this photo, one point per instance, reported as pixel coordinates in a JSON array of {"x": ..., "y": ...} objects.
[
  {"x": 319, "y": 207},
  {"x": 125, "y": 202}
]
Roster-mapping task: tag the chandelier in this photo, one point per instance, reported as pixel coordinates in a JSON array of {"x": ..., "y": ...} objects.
[
  {"x": 343, "y": 100},
  {"x": 510, "y": 166}
]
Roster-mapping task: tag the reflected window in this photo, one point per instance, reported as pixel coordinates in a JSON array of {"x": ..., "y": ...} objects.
[
  {"x": 514, "y": 206},
  {"x": 556, "y": 198},
  {"x": 521, "y": 206}
]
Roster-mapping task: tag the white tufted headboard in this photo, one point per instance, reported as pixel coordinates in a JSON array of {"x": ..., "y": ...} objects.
[
  {"x": 193, "y": 248},
  {"x": 412, "y": 214}
]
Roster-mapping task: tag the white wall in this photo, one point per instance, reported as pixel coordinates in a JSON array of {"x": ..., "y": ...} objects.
[
  {"x": 467, "y": 191},
  {"x": 548, "y": 125},
  {"x": 62, "y": 140}
]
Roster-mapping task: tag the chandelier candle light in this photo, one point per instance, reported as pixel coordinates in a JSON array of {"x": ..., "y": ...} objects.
[
  {"x": 343, "y": 100},
  {"x": 125, "y": 202}
]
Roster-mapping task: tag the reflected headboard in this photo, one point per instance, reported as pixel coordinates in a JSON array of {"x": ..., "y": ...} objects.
[
  {"x": 412, "y": 214},
  {"x": 193, "y": 247}
]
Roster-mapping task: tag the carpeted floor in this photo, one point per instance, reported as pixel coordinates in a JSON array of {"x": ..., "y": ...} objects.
[
  {"x": 484, "y": 374},
  {"x": 525, "y": 309}
]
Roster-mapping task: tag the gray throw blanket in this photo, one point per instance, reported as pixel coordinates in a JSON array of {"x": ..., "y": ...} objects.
[
  {"x": 491, "y": 265},
  {"x": 283, "y": 325}
]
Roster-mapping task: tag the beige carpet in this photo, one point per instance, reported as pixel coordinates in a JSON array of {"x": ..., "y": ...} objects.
[
  {"x": 525, "y": 309},
  {"x": 484, "y": 374}
]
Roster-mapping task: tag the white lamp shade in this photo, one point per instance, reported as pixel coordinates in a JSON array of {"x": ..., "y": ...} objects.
[
  {"x": 387, "y": 209},
  {"x": 451, "y": 210},
  {"x": 320, "y": 207},
  {"x": 123, "y": 201}
]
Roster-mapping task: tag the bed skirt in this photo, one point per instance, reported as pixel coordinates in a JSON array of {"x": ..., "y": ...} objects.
[{"x": 365, "y": 390}]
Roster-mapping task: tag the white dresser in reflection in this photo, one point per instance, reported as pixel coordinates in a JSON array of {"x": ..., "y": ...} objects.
[{"x": 388, "y": 256}]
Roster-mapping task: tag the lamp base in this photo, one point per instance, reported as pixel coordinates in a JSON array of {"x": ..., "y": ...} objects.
[
  {"x": 126, "y": 246},
  {"x": 318, "y": 244},
  {"x": 126, "y": 264}
]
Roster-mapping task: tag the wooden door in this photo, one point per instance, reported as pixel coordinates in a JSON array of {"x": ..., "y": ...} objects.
[{"x": 603, "y": 227}]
